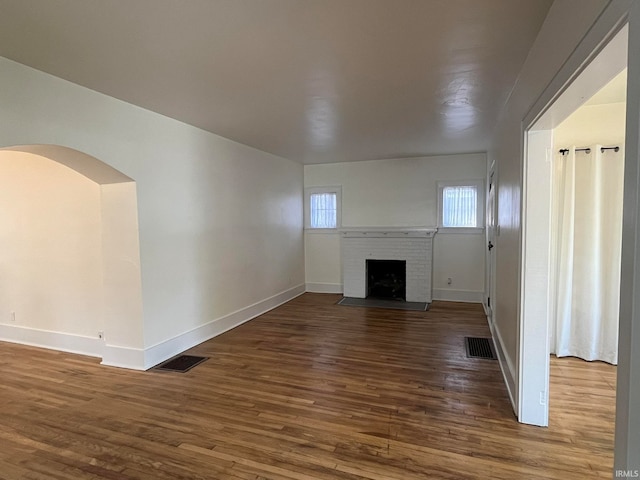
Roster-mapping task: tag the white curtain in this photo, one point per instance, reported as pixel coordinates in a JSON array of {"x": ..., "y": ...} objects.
[
  {"x": 587, "y": 204},
  {"x": 324, "y": 210},
  {"x": 460, "y": 206}
]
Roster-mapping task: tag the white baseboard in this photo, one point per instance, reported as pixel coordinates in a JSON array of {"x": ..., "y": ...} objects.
[
  {"x": 169, "y": 348},
  {"x": 450, "y": 295},
  {"x": 64, "y": 342},
  {"x": 139, "y": 359},
  {"x": 123, "y": 357},
  {"x": 506, "y": 366},
  {"x": 324, "y": 287}
]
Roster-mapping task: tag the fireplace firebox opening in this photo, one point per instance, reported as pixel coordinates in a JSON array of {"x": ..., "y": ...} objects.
[{"x": 387, "y": 279}]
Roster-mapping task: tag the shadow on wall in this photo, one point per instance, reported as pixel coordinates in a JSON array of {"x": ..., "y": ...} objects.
[{"x": 69, "y": 250}]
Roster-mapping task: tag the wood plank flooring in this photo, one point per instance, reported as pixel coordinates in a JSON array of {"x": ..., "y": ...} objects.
[{"x": 311, "y": 390}]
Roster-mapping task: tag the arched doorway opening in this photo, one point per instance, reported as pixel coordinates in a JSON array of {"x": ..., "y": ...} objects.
[{"x": 70, "y": 277}]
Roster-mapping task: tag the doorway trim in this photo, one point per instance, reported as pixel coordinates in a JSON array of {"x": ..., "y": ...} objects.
[
  {"x": 491, "y": 232},
  {"x": 583, "y": 74}
]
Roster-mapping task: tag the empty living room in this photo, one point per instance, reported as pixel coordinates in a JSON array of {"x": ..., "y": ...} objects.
[{"x": 319, "y": 239}]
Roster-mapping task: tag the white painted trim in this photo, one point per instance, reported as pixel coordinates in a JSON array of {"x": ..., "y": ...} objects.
[
  {"x": 382, "y": 232},
  {"x": 64, "y": 342},
  {"x": 552, "y": 106},
  {"x": 492, "y": 232},
  {"x": 173, "y": 346},
  {"x": 324, "y": 287},
  {"x": 449, "y": 295},
  {"x": 627, "y": 437},
  {"x": 135, "y": 358},
  {"x": 506, "y": 365},
  {"x": 585, "y": 71},
  {"x": 535, "y": 294},
  {"x": 123, "y": 357},
  {"x": 460, "y": 230},
  {"x": 323, "y": 231}
]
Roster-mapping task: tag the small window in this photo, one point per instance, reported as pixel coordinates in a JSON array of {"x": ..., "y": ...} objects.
[
  {"x": 322, "y": 208},
  {"x": 460, "y": 206}
]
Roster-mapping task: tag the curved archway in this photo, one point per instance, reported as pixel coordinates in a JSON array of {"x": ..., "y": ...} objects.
[
  {"x": 86, "y": 165},
  {"x": 71, "y": 256}
]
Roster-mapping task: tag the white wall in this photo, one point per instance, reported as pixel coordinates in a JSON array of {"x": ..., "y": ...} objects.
[
  {"x": 50, "y": 247},
  {"x": 562, "y": 49},
  {"x": 399, "y": 193},
  {"x": 220, "y": 223},
  {"x": 590, "y": 125},
  {"x": 556, "y": 41}
]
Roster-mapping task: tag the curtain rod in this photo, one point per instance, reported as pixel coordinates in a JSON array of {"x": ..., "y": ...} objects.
[{"x": 564, "y": 151}]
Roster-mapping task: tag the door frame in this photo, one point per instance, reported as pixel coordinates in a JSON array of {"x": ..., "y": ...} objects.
[
  {"x": 492, "y": 232},
  {"x": 577, "y": 79}
]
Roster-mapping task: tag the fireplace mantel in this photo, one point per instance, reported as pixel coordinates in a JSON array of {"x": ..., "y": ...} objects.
[{"x": 390, "y": 232}]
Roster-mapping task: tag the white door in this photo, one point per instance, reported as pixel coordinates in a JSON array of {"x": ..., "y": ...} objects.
[{"x": 491, "y": 241}]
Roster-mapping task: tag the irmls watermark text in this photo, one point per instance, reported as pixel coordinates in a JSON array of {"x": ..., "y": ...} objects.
[{"x": 627, "y": 473}]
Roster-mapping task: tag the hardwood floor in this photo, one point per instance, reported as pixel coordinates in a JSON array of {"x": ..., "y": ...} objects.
[{"x": 311, "y": 390}]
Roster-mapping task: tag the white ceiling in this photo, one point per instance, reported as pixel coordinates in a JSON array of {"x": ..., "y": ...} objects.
[{"x": 310, "y": 80}]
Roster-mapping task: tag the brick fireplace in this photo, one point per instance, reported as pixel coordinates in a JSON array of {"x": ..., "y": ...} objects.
[{"x": 411, "y": 245}]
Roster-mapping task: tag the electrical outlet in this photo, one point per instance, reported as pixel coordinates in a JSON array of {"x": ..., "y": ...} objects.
[
  {"x": 543, "y": 398},
  {"x": 449, "y": 281}
]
